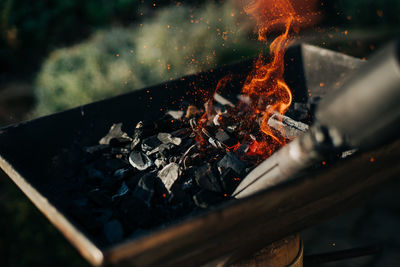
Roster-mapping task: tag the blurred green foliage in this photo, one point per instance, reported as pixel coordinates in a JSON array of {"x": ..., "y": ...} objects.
[
  {"x": 32, "y": 28},
  {"x": 176, "y": 42}
]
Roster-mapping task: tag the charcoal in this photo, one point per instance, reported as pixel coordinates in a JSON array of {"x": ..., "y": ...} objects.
[
  {"x": 119, "y": 151},
  {"x": 124, "y": 189},
  {"x": 160, "y": 162},
  {"x": 132, "y": 180},
  {"x": 224, "y": 138},
  {"x": 167, "y": 138},
  {"x": 242, "y": 150},
  {"x": 206, "y": 178},
  {"x": 230, "y": 180},
  {"x": 214, "y": 142},
  {"x": 288, "y": 127},
  {"x": 161, "y": 193},
  {"x": 122, "y": 173},
  {"x": 120, "y": 142},
  {"x": 162, "y": 149},
  {"x": 146, "y": 128},
  {"x": 113, "y": 164},
  {"x": 205, "y": 198},
  {"x": 169, "y": 174},
  {"x": 179, "y": 196},
  {"x": 230, "y": 161},
  {"x": 136, "y": 139},
  {"x": 182, "y": 133},
  {"x": 151, "y": 143},
  {"x": 99, "y": 197},
  {"x": 110, "y": 184},
  {"x": 174, "y": 165},
  {"x": 176, "y": 114},
  {"x": 138, "y": 134},
  {"x": 140, "y": 161},
  {"x": 216, "y": 120},
  {"x": 145, "y": 188},
  {"x": 95, "y": 151},
  {"x": 113, "y": 231},
  {"x": 231, "y": 128},
  {"x": 81, "y": 202},
  {"x": 348, "y": 153},
  {"x": 94, "y": 173},
  {"x": 115, "y": 136},
  {"x": 102, "y": 215},
  {"x": 135, "y": 211},
  {"x": 187, "y": 185}
]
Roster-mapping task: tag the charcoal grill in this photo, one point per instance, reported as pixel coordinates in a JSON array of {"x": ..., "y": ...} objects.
[{"x": 28, "y": 152}]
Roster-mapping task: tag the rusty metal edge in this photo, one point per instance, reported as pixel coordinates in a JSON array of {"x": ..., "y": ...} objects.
[{"x": 85, "y": 247}]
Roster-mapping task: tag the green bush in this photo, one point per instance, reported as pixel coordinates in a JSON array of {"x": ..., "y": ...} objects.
[
  {"x": 178, "y": 41},
  {"x": 30, "y": 29}
]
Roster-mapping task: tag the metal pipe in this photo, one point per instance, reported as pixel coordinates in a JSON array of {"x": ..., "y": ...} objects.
[{"x": 364, "y": 113}]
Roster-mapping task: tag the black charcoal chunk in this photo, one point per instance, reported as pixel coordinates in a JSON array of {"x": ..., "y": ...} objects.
[
  {"x": 133, "y": 180},
  {"x": 160, "y": 149},
  {"x": 140, "y": 161},
  {"x": 110, "y": 183},
  {"x": 169, "y": 174},
  {"x": 167, "y": 138},
  {"x": 135, "y": 211},
  {"x": 145, "y": 188},
  {"x": 123, "y": 190},
  {"x": 113, "y": 164},
  {"x": 81, "y": 202},
  {"x": 99, "y": 197},
  {"x": 122, "y": 173},
  {"x": 105, "y": 216},
  {"x": 137, "y": 134},
  {"x": 96, "y": 150},
  {"x": 206, "y": 178},
  {"x": 188, "y": 185},
  {"x": 230, "y": 180},
  {"x": 113, "y": 231},
  {"x": 151, "y": 143},
  {"x": 93, "y": 173},
  {"x": 115, "y": 133},
  {"x": 224, "y": 138},
  {"x": 214, "y": 142},
  {"x": 205, "y": 198},
  {"x": 119, "y": 151},
  {"x": 232, "y": 162}
]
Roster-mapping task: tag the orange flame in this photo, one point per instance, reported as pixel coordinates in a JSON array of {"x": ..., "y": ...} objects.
[{"x": 265, "y": 85}]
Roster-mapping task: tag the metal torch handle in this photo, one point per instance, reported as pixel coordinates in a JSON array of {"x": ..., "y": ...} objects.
[{"x": 364, "y": 113}]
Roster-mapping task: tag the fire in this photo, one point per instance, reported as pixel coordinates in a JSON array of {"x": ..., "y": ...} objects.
[
  {"x": 265, "y": 88},
  {"x": 265, "y": 85}
]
